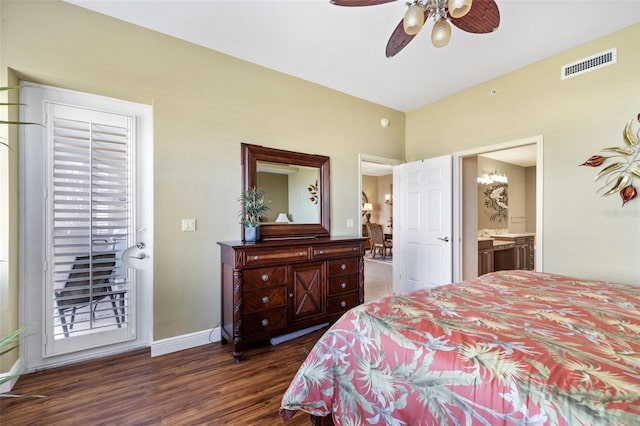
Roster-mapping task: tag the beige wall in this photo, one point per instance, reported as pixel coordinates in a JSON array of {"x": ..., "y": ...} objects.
[
  {"x": 530, "y": 198},
  {"x": 376, "y": 187},
  {"x": 585, "y": 235},
  {"x": 370, "y": 188},
  {"x": 204, "y": 105}
]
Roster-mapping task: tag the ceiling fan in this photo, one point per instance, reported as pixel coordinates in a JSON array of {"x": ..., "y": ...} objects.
[{"x": 473, "y": 16}]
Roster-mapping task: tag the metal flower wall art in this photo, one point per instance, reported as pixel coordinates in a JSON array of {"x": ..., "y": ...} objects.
[
  {"x": 496, "y": 202},
  {"x": 313, "y": 192},
  {"x": 622, "y": 166}
]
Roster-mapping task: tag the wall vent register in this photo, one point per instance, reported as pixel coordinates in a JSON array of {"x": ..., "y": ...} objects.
[{"x": 591, "y": 63}]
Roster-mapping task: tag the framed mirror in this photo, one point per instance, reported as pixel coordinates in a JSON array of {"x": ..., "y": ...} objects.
[{"x": 296, "y": 189}]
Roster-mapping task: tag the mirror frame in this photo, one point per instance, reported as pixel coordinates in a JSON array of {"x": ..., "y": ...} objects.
[{"x": 251, "y": 154}]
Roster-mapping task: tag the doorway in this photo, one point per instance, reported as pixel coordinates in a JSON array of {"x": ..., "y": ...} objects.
[
  {"x": 478, "y": 174},
  {"x": 86, "y": 225},
  {"x": 376, "y": 206}
]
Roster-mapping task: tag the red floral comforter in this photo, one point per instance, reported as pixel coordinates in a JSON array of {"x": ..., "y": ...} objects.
[{"x": 511, "y": 347}]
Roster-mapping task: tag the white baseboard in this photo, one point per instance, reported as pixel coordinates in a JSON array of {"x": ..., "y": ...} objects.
[
  {"x": 185, "y": 341},
  {"x": 16, "y": 369}
]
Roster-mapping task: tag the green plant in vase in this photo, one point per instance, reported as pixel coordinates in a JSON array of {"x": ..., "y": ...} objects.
[{"x": 252, "y": 208}]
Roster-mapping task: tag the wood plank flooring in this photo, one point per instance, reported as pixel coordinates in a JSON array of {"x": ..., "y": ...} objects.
[{"x": 198, "y": 386}]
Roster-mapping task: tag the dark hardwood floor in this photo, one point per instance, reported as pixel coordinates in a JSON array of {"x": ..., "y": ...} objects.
[{"x": 198, "y": 386}]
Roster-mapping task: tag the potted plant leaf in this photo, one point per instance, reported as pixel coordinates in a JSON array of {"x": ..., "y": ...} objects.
[
  {"x": 9, "y": 104},
  {"x": 252, "y": 208}
]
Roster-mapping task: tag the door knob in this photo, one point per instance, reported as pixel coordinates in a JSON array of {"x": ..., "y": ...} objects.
[{"x": 445, "y": 239}]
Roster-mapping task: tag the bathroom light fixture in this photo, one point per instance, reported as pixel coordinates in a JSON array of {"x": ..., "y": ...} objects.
[
  {"x": 493, "y": 177},
  {"x": 388, "y": 199}
]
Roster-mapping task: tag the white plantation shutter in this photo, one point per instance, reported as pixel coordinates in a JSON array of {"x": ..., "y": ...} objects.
[{"x": 89, "y": 211}]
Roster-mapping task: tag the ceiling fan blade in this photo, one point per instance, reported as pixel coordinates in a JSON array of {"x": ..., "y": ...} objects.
[
  {"x": 484, "y": 17},
  {"x": 359, "y": 2},
  {"x": 398, "y": 40}
]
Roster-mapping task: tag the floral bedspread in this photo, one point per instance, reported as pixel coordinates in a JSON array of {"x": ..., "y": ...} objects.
[{"x": 510, "y": 347}]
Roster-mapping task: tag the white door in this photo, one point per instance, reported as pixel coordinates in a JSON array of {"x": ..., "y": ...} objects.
[
  {"x": 422, "y": 224},
  {"x": 85, "y": 226}
]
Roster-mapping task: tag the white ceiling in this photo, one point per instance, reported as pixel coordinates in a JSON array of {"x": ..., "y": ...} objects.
[
  {"x": 343, "y": 47},
  {"x": 375, "y": 169},
  {"x": 523, "y": 156}
]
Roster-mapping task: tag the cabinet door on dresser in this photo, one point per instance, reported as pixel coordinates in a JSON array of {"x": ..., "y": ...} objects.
[{"x": 307, "y": 299}]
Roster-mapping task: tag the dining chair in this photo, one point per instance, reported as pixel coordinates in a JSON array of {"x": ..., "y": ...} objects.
[{"x": 378, "y": 242}]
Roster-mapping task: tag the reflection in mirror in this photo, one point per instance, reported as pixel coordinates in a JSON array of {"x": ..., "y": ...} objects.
[
  {"x": 297, "y": 190},
  {"x": 290, "y": 191}
]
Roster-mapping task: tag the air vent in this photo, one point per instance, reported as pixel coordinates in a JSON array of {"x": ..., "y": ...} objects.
[{"x": 591, "y": 63}]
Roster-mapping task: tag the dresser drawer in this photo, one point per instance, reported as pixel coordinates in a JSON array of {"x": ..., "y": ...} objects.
[
  {"x": 341, "y": 303},
  {"x": 320, "y": 252},
  {"x": 342, "y": 284},
  {"x": 264, "y": 277},
  {"x": 275, "y": 256},
  {"x": 263, "y": 299},
  {"x": 264, "y": 322},
  {"x": 343, "y": 266}
]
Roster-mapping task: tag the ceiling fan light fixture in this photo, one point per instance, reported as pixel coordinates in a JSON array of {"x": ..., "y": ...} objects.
[
  {"x": 413, "y": 19},
  {"x": 459, "y": 8},
  {"x": 441, "y": 33}
]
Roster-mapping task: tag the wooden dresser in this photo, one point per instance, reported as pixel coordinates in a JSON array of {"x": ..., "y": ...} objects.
[{"x": 270, "y": 288}]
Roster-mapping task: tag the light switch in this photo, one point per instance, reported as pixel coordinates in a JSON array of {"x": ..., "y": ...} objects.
[
  {"x": 188, "y": 225},
  {"x": 349, "y": 223}
]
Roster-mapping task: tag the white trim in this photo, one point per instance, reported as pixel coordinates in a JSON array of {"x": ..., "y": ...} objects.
[
  {"x": 457, "y": 197},
  {"x": 185, "y": 341},
  {"x": 14, "y": 371},
  {"x": 31, "y": 352}
]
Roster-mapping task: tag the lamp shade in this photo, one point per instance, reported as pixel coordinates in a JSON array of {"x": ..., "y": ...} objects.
[
  {"x": 367, "y": 207},
  {"x": 413, "y": 19},
  {"x": 459, "y": 8},
  {"x": 441, "y": 33},
  {"x": 282, "y": 218}
]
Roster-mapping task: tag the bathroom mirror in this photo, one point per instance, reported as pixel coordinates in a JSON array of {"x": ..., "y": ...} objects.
[{"x": 296, "y": 189}]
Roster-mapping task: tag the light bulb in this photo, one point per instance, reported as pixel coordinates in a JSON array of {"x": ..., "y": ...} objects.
[
  {"x": 441, "y": 33},
  {"x": 459, "y": 8},
  {"x": 413, "y": 19}
]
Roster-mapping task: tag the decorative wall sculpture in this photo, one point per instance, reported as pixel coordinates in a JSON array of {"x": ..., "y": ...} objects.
[
  {"x": 496, "y": 201},
  {"x": 623, "y": 165}
]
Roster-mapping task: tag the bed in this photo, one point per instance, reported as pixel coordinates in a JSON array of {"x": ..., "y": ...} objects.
[{"x": 507, "y": 348}]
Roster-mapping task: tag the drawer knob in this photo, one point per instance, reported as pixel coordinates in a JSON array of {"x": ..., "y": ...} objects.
[
  {"x": 301, "y": 254},
  {"x": 256, "y": 257},
  {"x": 265, "y": 300},
  {"x": 343, "y": 285},
  {"x": 321, "y": 251},
  {"x": 265, "y": 322},
  {"x": 291, "y": 295},
  {"x": 264, "y": 277},
  {"x": 343, "y": 304},
  {"x": 343, "y": 266}
]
